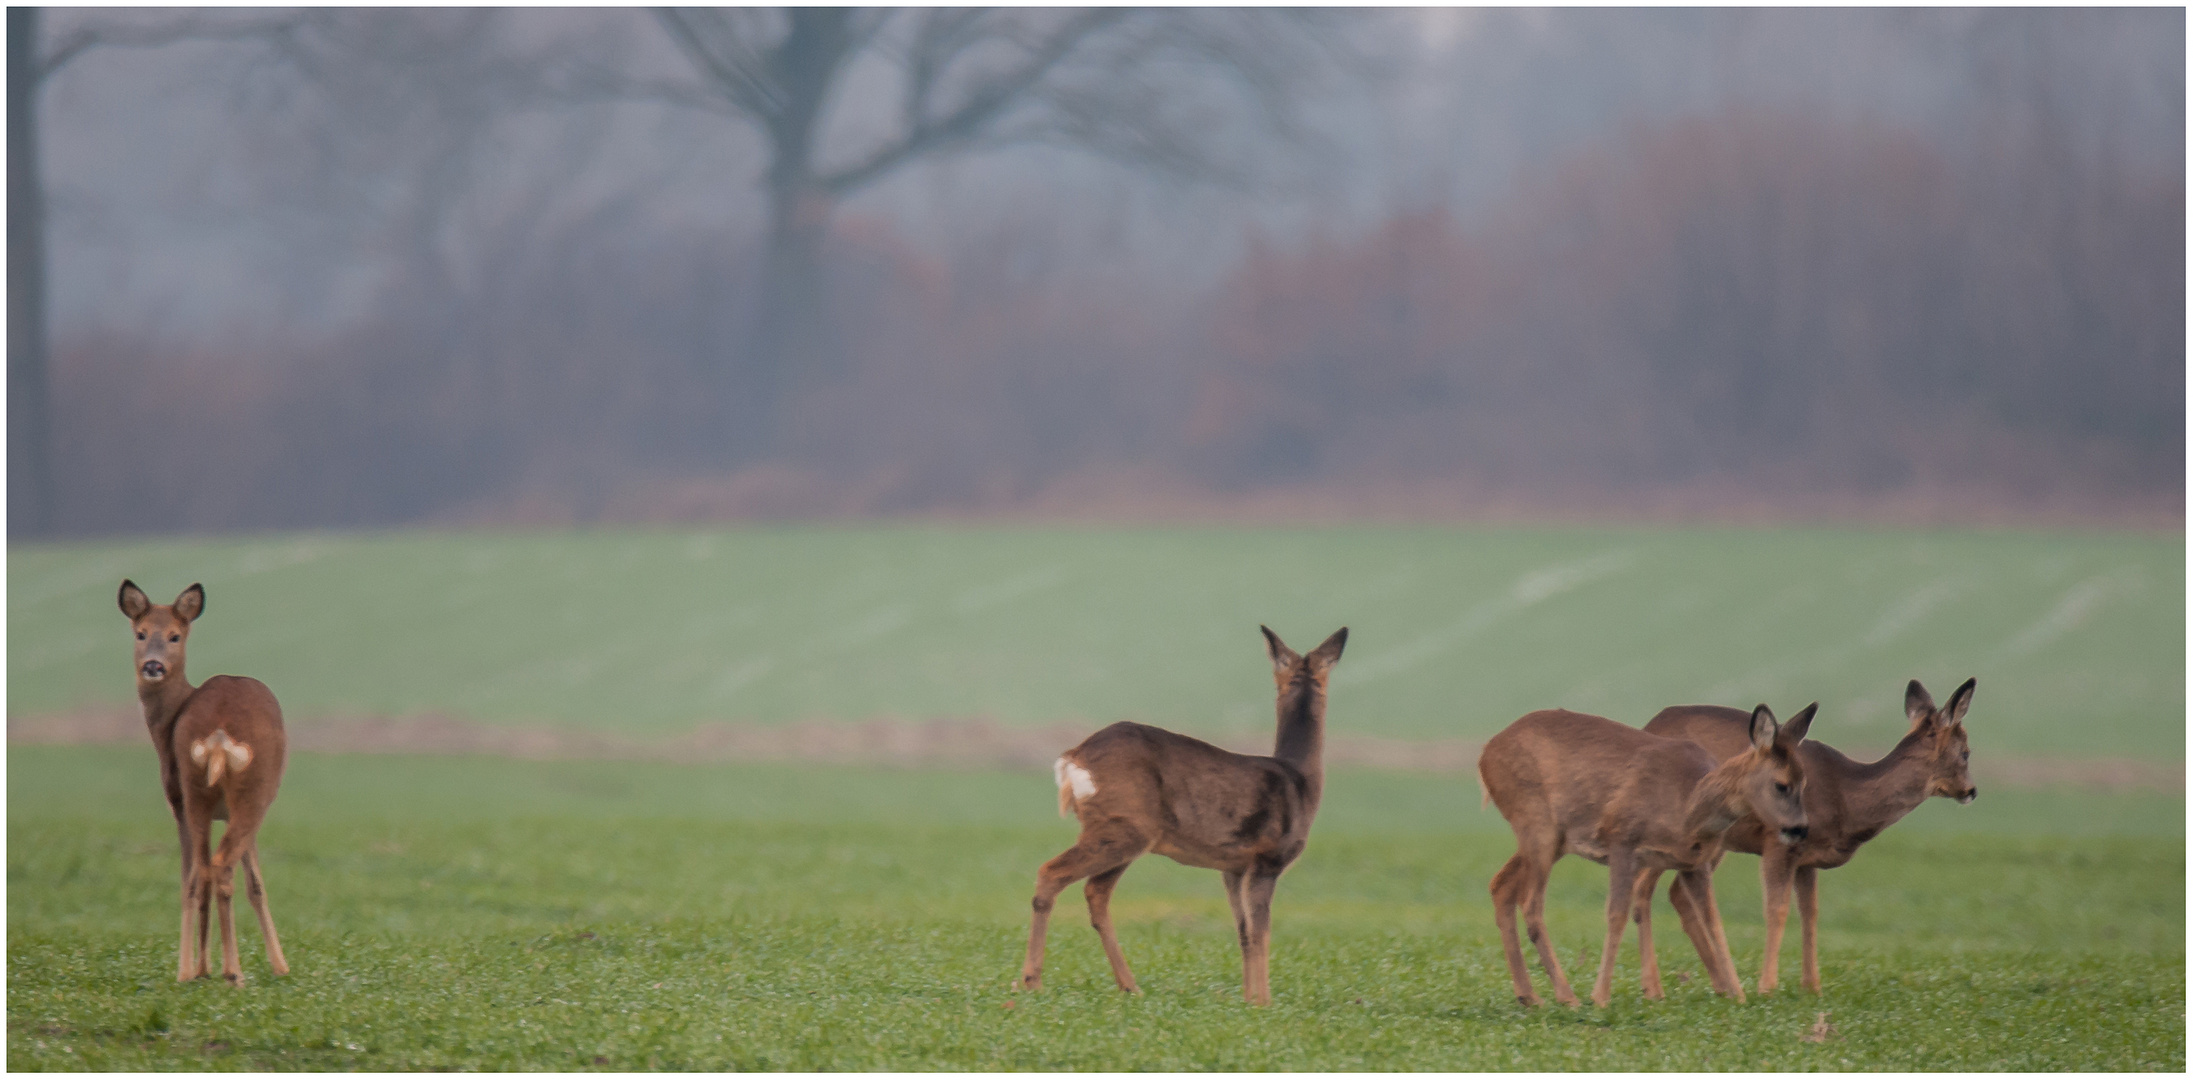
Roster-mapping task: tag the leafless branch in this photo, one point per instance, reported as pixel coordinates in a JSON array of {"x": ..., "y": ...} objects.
[{"x": 195, "y": 26}]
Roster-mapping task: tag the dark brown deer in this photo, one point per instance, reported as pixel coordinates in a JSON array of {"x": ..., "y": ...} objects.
[
  {"x": 1638, "y": 803},
  {"x": 1138, "y": 789},
  {"x": 1846, "y": 802},
  {"x": 221, "y": 749}
]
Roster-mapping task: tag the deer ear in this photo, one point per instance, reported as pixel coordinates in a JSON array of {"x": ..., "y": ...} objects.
[
  {"x": 192, "y": 603},
  {"x": 1918, "y": 704},
  {"x": 1328, "y": 654},
  {"x": 1959, "y": 702},
  {"x": 1793, "y": 731},
  {"x": 133, "y": 600},
  {"x": 1283, "y": 657},
  {"x": 1763, "y": 728}
]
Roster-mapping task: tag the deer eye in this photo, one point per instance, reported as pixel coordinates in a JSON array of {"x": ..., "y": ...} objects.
[
  {"x": 140, "y": 635},
  {"x": 1781, "y": 788},
  {"x": 175, "y": 637}
]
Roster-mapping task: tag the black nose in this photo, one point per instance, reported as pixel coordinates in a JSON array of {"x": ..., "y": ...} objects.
[
  {"x": 1795, "y": 833},
  {"x": 1970, "y": 794},
  {"x": 154, "y": 669}
]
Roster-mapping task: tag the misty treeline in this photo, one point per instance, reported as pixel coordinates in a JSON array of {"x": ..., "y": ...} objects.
[{"x": 562, "y": 273}]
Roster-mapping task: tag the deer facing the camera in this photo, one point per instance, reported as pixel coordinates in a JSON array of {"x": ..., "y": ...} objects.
[
  {"x": 1137, "y": 789},
  {"x": 1847, "y": 803},
  {"x": 1640, "y": 804},
  {"x": 222, "y": 749}
]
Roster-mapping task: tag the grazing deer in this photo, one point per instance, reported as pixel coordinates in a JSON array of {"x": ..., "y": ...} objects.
[
  {"x": 1138, "y": 789},
  {"x": 1846, "y": 802},
  {"x": 221, "y": 749},
  {"x": 1638, "y": 803}
]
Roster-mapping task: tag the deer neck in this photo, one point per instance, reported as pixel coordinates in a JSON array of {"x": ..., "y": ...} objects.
[
  {"x": 162, "y": 701},
  {"x": 1301, "y": 741},
  {"x": 1713, "y": 805},
  {"x": 1882, "y": 792}
]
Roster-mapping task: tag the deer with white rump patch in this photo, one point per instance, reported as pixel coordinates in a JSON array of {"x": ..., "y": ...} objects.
[
  {"x": 1640, "y": 804},
  {"x": 222, "y": 749},
  {"x": 1138, "y": 789}
]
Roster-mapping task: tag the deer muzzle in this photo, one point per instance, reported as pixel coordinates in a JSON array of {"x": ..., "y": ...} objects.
[
  {"x": 1970, "y": 794},
  {"x": 153, "y": 671},
  {"x": 1793, "y": 833}
]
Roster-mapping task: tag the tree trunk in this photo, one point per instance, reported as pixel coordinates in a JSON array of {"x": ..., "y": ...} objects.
[
  {"x": 30, "y": 449},
  {"x": 792, "y": 334}
]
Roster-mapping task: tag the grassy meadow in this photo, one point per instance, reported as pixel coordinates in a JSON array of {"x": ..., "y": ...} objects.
[{"x": 482, "y": 913}]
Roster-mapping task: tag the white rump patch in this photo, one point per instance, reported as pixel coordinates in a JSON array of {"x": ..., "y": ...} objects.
[
  {"x": 1067, "y": 773},
  {"x": 219, "y": 753}
]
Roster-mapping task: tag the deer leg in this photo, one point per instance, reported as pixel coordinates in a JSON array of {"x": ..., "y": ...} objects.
[
  {"x": 199, "y": 911},
  {"x": 1648, "y": 882},
  {"x": 1621, "y": 887},
  {"x": 1099, "y": 894},
  {"x": 1507, "y": 888},
  {"x": 224, "y": 893},
  {"x": 1807, "y": 880},
  {"x": 256, "y": 890},
  {"x": 1534, "y": 921},
  {"x": 184, "y": 962},
  {"x": 1709, "y": 914},
  {"x": 1695, "y": 927},
  {"x": 1092, "y": 854},
  {"x": 1256, "y": 983},
  {"x": 1234, "y": 880},
  {"x": 234, "y": 840},
  {"x": 1774, "y": 881}
]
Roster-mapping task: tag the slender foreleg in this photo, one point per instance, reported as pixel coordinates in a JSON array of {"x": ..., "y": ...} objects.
[
  {"x": 1775, "y": 872},
  {"x": 1807, "y": 881},
  {"x": 1621, "y": 889},
  {"x": 1256, "y": 896},
  {"x": 1648, "y": 881}
]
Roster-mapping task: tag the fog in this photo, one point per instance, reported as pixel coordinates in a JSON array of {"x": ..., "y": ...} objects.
[{"x": 388, "y": 267}]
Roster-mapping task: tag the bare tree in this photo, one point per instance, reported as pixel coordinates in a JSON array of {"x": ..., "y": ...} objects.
[
  {"x": 1150, "y": 89},
  {"x": 31, "y": 63}
]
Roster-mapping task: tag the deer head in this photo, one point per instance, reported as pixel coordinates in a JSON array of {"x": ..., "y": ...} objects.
[
  {"x": 162, "y": 631},
  {"x": 1290, "y": 667},
  {"x": 1943, "y": 730},
  {"x": 1766, "y": 781}
]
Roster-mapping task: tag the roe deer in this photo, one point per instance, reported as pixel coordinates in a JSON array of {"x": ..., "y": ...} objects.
[
  {"x": 1136, "y": 789},
  {"x": 221, "y": 749},
  {"x": 1636, "y": 802},
  {"x": 1846, "y": 802}
]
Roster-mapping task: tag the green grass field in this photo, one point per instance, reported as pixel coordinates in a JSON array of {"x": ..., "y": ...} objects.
[
  {"x": 471, "y": 912},
  {"x": 481, "y": 913},
  {"x": 2078, "y": 640}
]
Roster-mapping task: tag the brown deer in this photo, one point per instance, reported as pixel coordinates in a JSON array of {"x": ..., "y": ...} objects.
[
  {"x": 1138, "y": 789},
  {"x": 221, "y": 749},
  {"x": 1846, "y": 802},
  {"x": 1638, "y": 803}
]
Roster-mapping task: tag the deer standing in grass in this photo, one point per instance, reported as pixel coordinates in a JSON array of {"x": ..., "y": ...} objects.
[
  {"x": 1139, "y": 789},
  {"x": 1846, "y": 802},
  {"x": 1640, "y": 804},
  {"x": 221, "y": 749}
]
